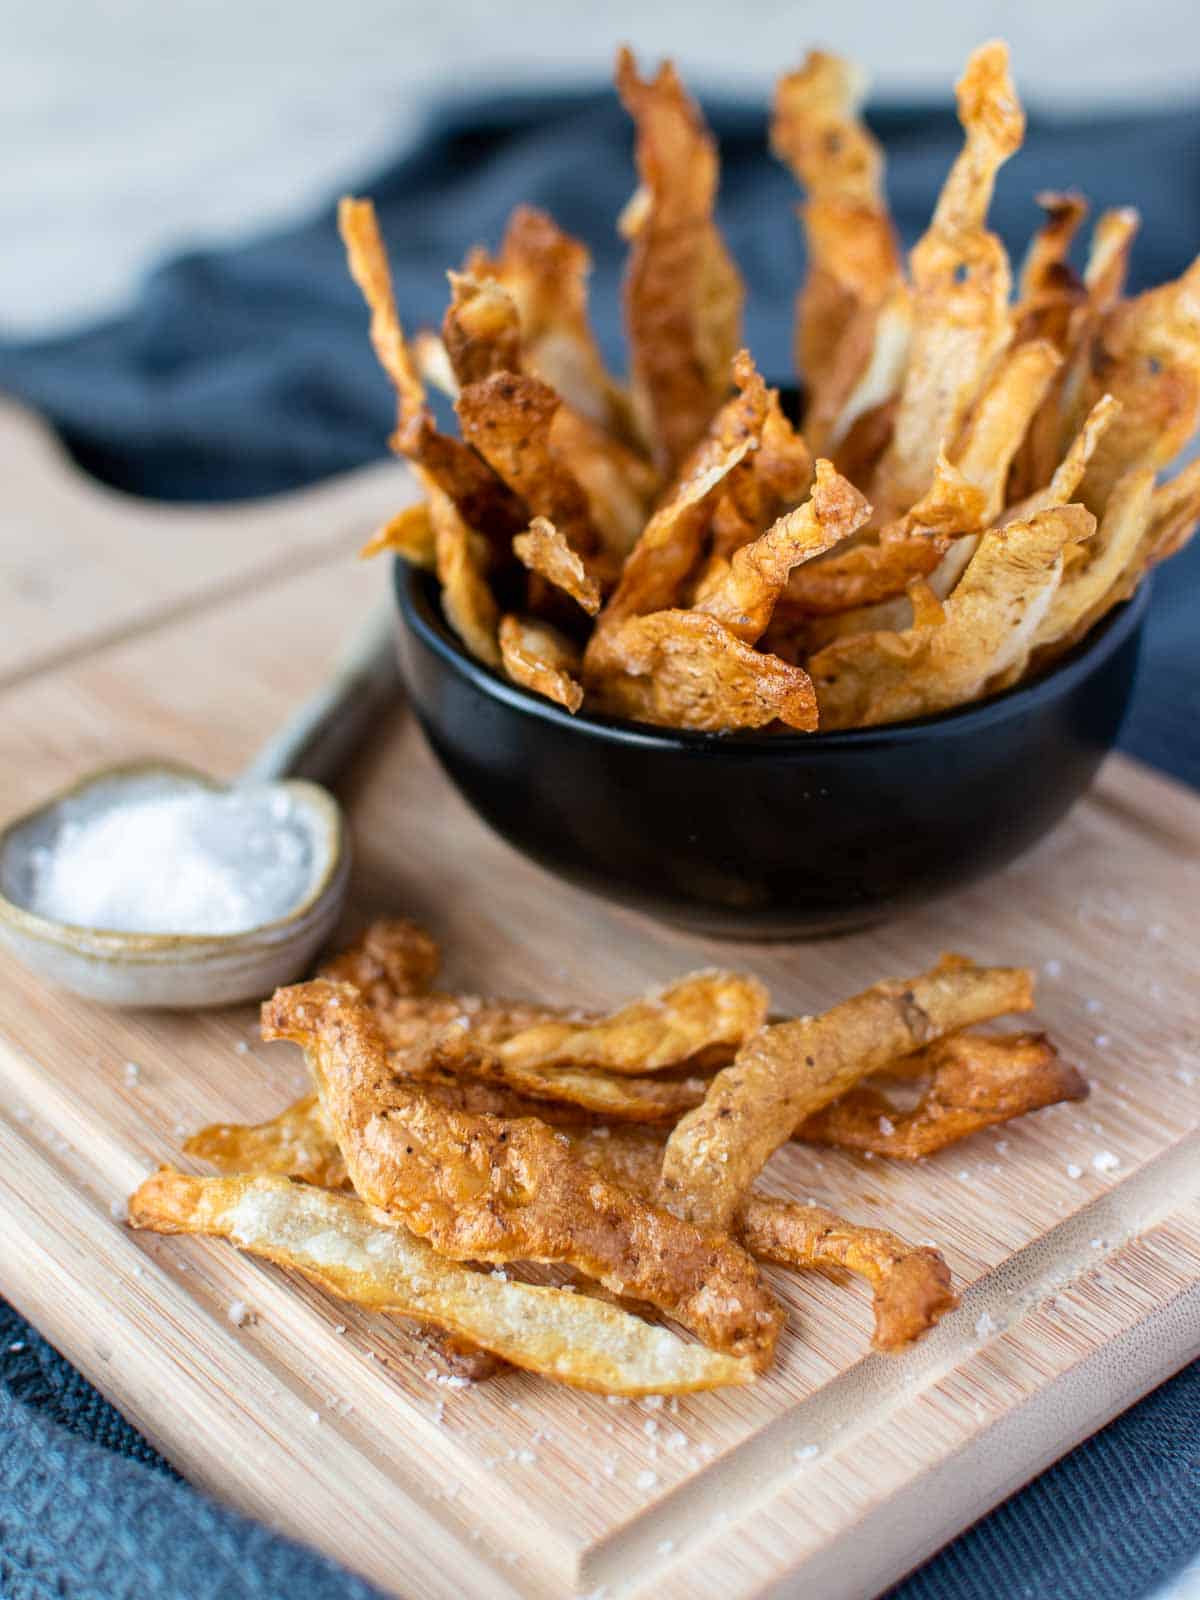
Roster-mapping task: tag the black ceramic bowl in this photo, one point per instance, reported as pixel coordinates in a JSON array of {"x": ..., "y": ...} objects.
[{"x": 768, "y": 836}]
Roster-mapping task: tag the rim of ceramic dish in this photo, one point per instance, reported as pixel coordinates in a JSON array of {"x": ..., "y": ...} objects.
[
  {"x": 113, "y": 944},
  {"x": 416, "y": 596}
]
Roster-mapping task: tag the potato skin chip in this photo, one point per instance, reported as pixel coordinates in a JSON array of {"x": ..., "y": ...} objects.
[
  {"x": 1174, "y": 511},
  {"x": 704, "y": 1016},
  {"x": 409, "y": 534},
  {"x": 481, "y": 330},
  {"x": 390, "y": 959},
  {"x": 508, "y": 419},
  {"x": 854, "y": 260},
  {"x": 683, "y": 294},
  {"x": 961, "y": 281},
  {"x": 467, "y": 599},
  {"x": 1096, "y": 583},
  {"x": 991, "y": 620},
  {"x": 774, "y": 479},
  {"x": 788, "y": 1072},
  {"x": 1147, "y": 354},
  {"x": 540, "y": 658},
  {"x": 975, "y": 1081},
  {"x": 546, "y": 272},
  {"x": 296, "y": 1143},
  {"x": 544, "y": 550},
  {"x": 336, "y": 1241},
  {"x": 482, "y": 500},
  {"x": 682, "y": 669},
  {"x": 456, "y": 1053},
  {"x": 492, "y": 1189},
  {"x": 911, "y": 1285},
  {"x": 743, "y": 596},
  {"x": 670, "y": 545}
]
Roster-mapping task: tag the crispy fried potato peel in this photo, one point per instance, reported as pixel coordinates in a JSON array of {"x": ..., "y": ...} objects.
[
  {"x": 341, "y": 1245},
  {"x": 788, "y": 1072},
  {"x": 682, "y": 514},
  {"x": 484, "y": 1188}
]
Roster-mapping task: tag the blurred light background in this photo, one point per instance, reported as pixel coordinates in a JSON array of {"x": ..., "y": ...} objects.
[{"x": 131, "y": 127}]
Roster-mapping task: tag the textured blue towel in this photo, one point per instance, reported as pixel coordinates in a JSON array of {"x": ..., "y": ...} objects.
[{"x": 246, "y": 371}]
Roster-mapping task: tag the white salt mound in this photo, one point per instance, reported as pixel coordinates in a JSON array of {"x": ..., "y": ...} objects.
[{"x": 193, "y": 862}]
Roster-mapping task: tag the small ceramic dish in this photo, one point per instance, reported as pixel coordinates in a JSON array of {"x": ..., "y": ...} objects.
[
  {"x": 768, "y": 836},
  {"x": 156, "y": 969}
]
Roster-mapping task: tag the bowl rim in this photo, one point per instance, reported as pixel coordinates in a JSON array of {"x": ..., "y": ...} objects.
[{"x": 415, "y": 590}]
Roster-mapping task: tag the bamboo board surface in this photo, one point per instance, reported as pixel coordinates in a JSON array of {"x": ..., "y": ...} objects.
[{"x": 1080, "y": 1292}]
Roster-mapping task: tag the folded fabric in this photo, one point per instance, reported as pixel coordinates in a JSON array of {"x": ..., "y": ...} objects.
[{"x": 246, "y": 371}]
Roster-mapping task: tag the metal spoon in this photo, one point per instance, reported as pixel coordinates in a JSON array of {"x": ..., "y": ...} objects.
[{"x": 184, "y": 970}]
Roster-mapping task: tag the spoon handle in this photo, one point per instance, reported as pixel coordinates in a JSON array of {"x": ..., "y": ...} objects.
[{"x": 320, "y": 737}]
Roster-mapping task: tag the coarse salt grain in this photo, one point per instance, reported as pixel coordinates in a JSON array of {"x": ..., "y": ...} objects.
[
  {"x": 646, "y": 1479},
  {"x": 985, "y": 1326},
  {"x": 887, "y": 1127},
  {"x": 1105, "y": 1161},
  {"x": 238, "y": 1313},
  {"x": 132, "y": 1072},
  {"x": 170, "y": 859},
  {"x": 242, "y": 1048},
  {"x": 118, "y": 1211},
  {"x": 807, "y": 1451},
  {"x": 665, "y": 1546},
  {"x": 1074, "y": 1170},
  {"x": 1053, "y": 969}
]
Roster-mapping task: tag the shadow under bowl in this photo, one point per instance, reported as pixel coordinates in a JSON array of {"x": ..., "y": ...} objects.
[{"x": 754, "y": 836}]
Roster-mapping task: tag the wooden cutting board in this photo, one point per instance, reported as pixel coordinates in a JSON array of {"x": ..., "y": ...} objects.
[{"x": 1075, "y": 1235}]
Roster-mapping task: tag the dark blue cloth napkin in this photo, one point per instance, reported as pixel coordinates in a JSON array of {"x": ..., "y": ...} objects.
[{"x": 245, "y": 371}]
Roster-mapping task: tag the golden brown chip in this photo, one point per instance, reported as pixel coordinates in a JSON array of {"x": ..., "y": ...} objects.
[
  {"x": 409, "y": 534},
  {"x": 670, "y": 545},
  {"x": 774, "y": 479},
  {"x": 546, "y": 272},
  {"x": 433, "y": 363},
  {"x": 508, "y": 419},
  {"x": 1147, "y": 354},
  {"x": 484, "y": 503},
  {"x": 1174, "y": 512},
  {"x": 683, "y": 669},
  {"x": 467, "y": 599},
  {"x": 961, "y": 281},
  {"x": 540, "y": 658},
  {"x": 854, "y": 262},
  {"x": 1108, "y": 259},
  {"x": 988, "y": 444},
  {"x": 1050, "y": 290},
  {"x": 683, "y": 294},
  {"x": 337, "y": 1242},
  {"x": 392, "y": 958},
  {"x": 974, "y": 1081},
  {"x": 481, "y": 331},
  {"x": 704, "y": 1017},
  {"x": 1095, "y": 584},
  {"x": 990, "y": 622},
  {"x": 788, "y": 1072},
  {"x": 483, "y": 1188},
  {"x": 742, "y": 594},
  {"x": 1068, "y": 475},
  {"x": 911, "y": 1284},
  {"x": 545, "y": 550},
  {"x": 459, "y": 1053},
  {"x": 296, "y": 1144}
]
